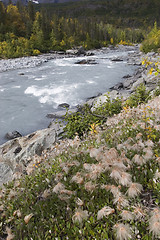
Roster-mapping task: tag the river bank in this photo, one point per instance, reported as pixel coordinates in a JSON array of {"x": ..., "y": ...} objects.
[
  {"x": 104, "y": 186},
  {"x": 18, "y": 155},
  {"x": 33, "y": 61},
  {"x": 30, "y": 94}
]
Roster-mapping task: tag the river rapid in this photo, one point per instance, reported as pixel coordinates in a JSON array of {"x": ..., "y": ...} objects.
[{"x": 31, "y": 91}]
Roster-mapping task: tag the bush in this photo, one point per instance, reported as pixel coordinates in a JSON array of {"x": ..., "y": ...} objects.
[
  {"x": 80, "y": 122},
  {"x": 140, "y": 96}
]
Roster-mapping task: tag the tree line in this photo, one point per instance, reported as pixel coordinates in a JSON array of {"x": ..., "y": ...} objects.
[{"x": 25, "y": 31}]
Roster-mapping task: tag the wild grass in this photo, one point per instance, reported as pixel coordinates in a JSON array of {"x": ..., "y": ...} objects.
[{"x": 103, "y": 186}]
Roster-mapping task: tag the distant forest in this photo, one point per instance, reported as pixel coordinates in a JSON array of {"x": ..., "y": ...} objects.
[{"x": 33, "y": 29}]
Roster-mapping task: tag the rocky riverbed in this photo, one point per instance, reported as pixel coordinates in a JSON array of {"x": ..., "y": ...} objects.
[{"x": 17, "y": 155}]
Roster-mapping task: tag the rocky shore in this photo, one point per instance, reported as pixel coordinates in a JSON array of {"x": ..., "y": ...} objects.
[
  {"x": 19, "y": 154},
  {"x": 33, "y": 61}
]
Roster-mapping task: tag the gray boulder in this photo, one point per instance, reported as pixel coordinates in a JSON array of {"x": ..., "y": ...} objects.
[
  {"x": 86, "y": 61},
  {"x": 60, "y": 114},
  {"x": 12, "y": 135},
  {"x": 81, "y": 51},
  {"x": 63, "y": 105},
  {"x": 117, "y": 60},
  {"x": 72, "y": 51},
  {"x": 17, "y": 153},
  {"x": 6, "y": 173}
]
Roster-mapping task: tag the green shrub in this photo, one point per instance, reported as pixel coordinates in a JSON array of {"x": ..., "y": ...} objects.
[
  {"x": 140, "y": 96},
  {"x": 80, "y": 122}
]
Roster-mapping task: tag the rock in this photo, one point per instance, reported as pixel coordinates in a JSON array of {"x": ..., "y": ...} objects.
[
  {"x": 93, "y": 97},
  {"x": 77, "y": 51},
  {"x": 151, "y": 82},
  {"x": 58, "y": 114},
  {"x": 86, "y": 61},
  {"x": 89, "y": 53},
  {"x": 63, "y": 105},
  {"x": 118, "y": 86},
  {"x": 12, "y": 135},
  {"x": 58, "y": 127},
  {"x": 60, "y": 52},
  {"x": 117, "y": 60},
  {"x": 16, "y": 154},
  {"x": 72, "y": 51},
  {"x": 136, "y": 84},
  {"x": 111, "y": 47},
  {"x": 128, "y": 83},
  {"x": 61, "y": 114},
  {"x": 150, "y": 54},
  {"x": 81, "y": 51},
  {"x": 6, "y": 173},
  {"x": 102, "y": 99},
  {"x": 127, "y": 76}
]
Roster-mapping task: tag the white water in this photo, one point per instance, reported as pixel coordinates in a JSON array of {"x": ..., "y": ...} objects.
[{"x": 26, "y": 99}]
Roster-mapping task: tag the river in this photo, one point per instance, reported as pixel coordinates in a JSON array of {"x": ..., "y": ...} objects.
[{"x": 27, "y": 95}]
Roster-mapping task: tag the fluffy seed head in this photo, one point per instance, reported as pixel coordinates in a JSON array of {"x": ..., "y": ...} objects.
[
  {"x": 154, "y": 227},
  {"x": 139, "y": 160},
  {"x": 122, "y": 231},
  {"x": 79, "y": 216},
  {"x": 59, "y": 187},
  {"x": 28, "y": 217},
  {"x": 139, "y": 212},
  {"x": 115, "y": 174},
  {"x": 10, "y": 235},
  {"x": 125, "y": 179},
  {"x": 126, "y": 215},
  {"x": 121, "y": 201},
  {"x": 134, "y": 189},
  {"x": 104, "y": 212},
  {"x": 89, "y": 186},
  {"x": 115, "y": 191},
  {"x": 77, "y": 178}
]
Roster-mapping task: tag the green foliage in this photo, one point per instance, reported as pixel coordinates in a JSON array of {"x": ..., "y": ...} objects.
[
  {"x": 80, "y": 122},
  {"x": 157, "y": 91},
  {"x": 152, "y": 41},
  {"x": 45, "y": 32},
  {"x": 74, "y": 194},
  {"x": 141, "y": 95}
]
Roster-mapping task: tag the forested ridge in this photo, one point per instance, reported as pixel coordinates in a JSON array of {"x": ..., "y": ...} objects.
[{"x": 33, "y": 29}]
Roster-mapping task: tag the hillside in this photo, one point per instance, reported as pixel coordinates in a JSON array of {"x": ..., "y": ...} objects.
[
  {"x": 104, "y": 185},
  {"x": 25, "y": 2},
  {"x": 119, "y": 12},
  {"x": 129, "y": 13}
]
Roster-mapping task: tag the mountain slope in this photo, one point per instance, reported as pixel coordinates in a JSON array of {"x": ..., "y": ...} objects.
[{"x": 38, "y": 1}]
